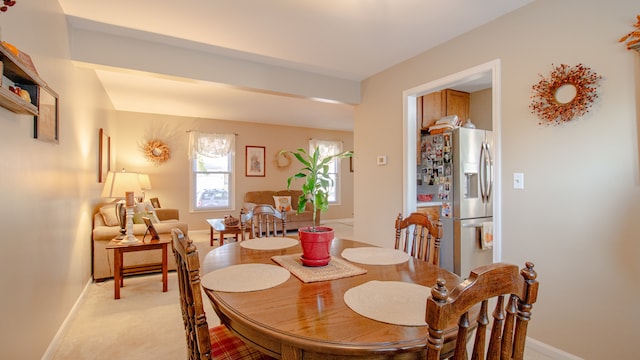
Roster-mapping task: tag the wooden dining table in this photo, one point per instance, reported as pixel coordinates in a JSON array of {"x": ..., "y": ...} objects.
[{"x": 297, "y": 320}]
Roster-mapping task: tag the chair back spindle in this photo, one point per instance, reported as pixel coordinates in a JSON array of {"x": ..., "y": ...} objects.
[
  {"x": 513, "y": 292},
  {"x": 263, "y": 221},
  {"x": 419, "y": 237}
]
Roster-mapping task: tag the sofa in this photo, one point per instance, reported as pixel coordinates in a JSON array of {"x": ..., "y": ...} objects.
[
  {"x": 105, "y": 228},
  {"x": 294, "y": 220}
]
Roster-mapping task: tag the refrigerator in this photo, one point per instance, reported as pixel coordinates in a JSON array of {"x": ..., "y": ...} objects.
[{"x": 456, "y": 173}]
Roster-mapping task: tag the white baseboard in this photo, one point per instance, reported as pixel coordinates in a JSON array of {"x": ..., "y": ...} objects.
[
  {"x": 550, "y": 351},
  {"x": 53, "y": 346}
]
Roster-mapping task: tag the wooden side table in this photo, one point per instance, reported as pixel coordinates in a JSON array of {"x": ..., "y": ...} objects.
[
  {"x": 119, "y": 270},
  {"x": 218, "y": 225}
]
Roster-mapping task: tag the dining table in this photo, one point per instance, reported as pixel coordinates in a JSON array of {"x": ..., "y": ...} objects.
[{"x": 311, "y": 320}]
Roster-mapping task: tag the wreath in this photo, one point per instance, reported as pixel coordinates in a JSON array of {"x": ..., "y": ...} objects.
[
  {"x": 545, "y": 104},
  {"x": 283, "y": 160},
  {"x": 156, "y": 151}
]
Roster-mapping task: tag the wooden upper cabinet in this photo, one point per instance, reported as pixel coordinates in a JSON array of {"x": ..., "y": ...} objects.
[{"x": 444, "y": 103}]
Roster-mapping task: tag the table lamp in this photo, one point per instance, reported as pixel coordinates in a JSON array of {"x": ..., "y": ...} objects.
[{"x": 121, "y": 186}]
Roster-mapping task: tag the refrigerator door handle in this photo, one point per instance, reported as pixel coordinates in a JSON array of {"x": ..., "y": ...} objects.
[
  {"x": 482, "y": 173},
  {"x": 489, "y": 169}
]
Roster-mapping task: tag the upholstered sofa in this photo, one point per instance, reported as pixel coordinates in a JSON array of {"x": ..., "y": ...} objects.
[
  {"x": 105, "y": 228},
  {"x": 294, "y": 220}
]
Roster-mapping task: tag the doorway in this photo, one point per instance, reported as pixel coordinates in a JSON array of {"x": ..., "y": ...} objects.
[{"x": 488, "y": 75}]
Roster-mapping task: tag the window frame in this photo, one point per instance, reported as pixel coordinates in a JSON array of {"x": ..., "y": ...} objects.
[
  {"x": 230, "y": 173},
  {"x": 337, "y": 188}
]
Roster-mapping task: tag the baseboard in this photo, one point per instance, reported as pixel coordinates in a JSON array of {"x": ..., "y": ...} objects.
[
  {"x": 345, "y": 221},
  {"x": 550, "y": 351},
  {"x": 53, "y": 346}
]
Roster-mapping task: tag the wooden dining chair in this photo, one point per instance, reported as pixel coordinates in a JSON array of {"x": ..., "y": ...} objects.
[
  {"x": 513, "y": 292},
  {"x": 202, "y": 342},
  {"x": 419, "y": 237},
  {"x": 263, "y": 221}
]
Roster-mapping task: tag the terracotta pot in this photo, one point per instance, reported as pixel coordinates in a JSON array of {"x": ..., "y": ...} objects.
[{"x": 315, "y": 245}]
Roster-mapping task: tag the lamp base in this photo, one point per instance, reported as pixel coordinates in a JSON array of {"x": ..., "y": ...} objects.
[{"x": 129, "y": 239}]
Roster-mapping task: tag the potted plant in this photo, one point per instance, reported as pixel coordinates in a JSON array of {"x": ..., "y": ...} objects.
[{"x": 315, "y": 240}]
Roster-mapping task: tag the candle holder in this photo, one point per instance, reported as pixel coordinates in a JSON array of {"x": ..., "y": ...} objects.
[{"x": 129, "y": 238}]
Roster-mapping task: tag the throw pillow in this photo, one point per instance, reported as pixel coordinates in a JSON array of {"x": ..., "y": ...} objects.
[
  {"x": 144, "y": 209},
  {"x": 283, "y": 203},
  {"x": 109, "y": 216}
]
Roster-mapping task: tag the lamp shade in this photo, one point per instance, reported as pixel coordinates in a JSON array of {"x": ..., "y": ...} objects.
[
  {"x": 118, "y": 183},
  {"x": 145, "y": 182}
]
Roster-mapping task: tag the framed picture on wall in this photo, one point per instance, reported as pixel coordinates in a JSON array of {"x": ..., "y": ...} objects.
[
  {"x": 104, "y": 157},
  {"x": 46, "y": 124},
  {"x": 255, "y": 163}
]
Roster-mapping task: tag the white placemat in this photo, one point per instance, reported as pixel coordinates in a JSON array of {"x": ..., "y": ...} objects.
[
  {"x": 392, "y": 302},
  {"x": 269, "y": 243},
  {"x": 245, "y": 277},
  {"x": 375, "y": 255}
]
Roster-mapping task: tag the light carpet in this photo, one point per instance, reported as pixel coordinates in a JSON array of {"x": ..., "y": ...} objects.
[{"x": 144, "y": 323}]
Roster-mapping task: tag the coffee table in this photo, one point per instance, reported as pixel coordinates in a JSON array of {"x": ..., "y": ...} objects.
[
  {"x": 218, "y": 225},
  {"x": 119, "y": 270}
]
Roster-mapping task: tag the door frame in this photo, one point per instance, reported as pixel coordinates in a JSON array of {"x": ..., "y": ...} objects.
[{"x": 409, "y": 102}]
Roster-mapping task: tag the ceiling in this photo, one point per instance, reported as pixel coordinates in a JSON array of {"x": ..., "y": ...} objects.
[{"x": 340, "y": 40}]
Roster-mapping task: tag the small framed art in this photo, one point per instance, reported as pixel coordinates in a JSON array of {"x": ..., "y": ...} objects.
[
  {"x": 104, "y": 158},
  {"x": 46, "y": 124},
  {"x": 255, "y": 156}
]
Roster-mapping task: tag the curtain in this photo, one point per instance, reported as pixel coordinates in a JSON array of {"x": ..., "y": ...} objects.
[
  {"x": 327, "y": 147},
  {"x": 210, "y": 145}
]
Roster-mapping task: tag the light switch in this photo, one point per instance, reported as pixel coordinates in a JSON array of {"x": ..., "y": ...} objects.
[
  {"x": 518, "y": 180},
  {"x": 381, "y": 160}
]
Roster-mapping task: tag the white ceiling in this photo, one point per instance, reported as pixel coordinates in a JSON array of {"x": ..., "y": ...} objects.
[{"x": 344, "y": 39}]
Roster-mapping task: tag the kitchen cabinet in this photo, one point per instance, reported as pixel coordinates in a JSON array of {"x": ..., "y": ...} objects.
[{"x": 444, "y": 103}]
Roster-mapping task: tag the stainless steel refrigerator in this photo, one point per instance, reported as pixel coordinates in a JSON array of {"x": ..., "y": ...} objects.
[{"x": 456, "y": 170}]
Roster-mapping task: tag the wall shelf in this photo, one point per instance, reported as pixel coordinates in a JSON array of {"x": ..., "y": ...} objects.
[{"x": 16, "y": 71}]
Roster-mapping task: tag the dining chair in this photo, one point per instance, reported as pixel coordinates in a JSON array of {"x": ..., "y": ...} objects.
[
  {"x": 202, "y": 342},
  {"x": 263, "y": 221},
  {"x": 513, "y": 292},
  {"x": 419, "y": 237}
]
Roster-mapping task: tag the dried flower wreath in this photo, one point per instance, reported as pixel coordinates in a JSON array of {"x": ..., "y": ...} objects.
[
  {"x": 6, "y": 4},
  {"x": 545, "y": 104},
  {"x": 634, "y": 36},
  {"x": 156, "y": 151}
]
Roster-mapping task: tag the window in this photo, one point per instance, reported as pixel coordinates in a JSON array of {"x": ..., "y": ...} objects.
[
  {"x": 327, "y": 148},
  {"x": 212, "y": 159}
]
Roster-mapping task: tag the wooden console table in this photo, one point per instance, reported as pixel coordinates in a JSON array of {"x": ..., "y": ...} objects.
[
  {"x": 218, "y": 225},
  {"x": 119, "y": 270}
]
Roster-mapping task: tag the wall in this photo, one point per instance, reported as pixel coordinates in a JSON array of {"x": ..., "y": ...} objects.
[
  {"x": 48, "y": 190},
  {"x": 170, "y": 181},
  {"x": 576, "y": 218},
  {"x": 480, "y": 109}
]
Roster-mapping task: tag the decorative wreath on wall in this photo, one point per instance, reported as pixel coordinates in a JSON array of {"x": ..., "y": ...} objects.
[
  {"x": 550, "y": 108},
  {"x": 283, "y": 160},
  {"x": 156, "y": 151}
]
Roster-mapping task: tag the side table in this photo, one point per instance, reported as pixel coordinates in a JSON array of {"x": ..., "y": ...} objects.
[
  {"x": 218, "y": 225},
  {"x": 119, "y": 270}
]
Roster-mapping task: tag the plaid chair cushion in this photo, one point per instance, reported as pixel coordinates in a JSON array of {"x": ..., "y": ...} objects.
[{"x": 225, "y": 345}]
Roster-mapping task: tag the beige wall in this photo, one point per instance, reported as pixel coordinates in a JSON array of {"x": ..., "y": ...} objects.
[
  {"x": 480, "y": 109},
  {"x": 576, "y": 218},
  {"x": 170, "y": 181},
  {"x": 47, "y": 190}
]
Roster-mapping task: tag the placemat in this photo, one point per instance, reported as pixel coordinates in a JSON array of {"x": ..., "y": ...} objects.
[
  {"x": 269, "y": 243},
  {"x": 375, "y": 255},
  {"x": 245, "y": 277},
  {"x": 336, "y": 269},
  {"x": 392, "y": 302}
]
